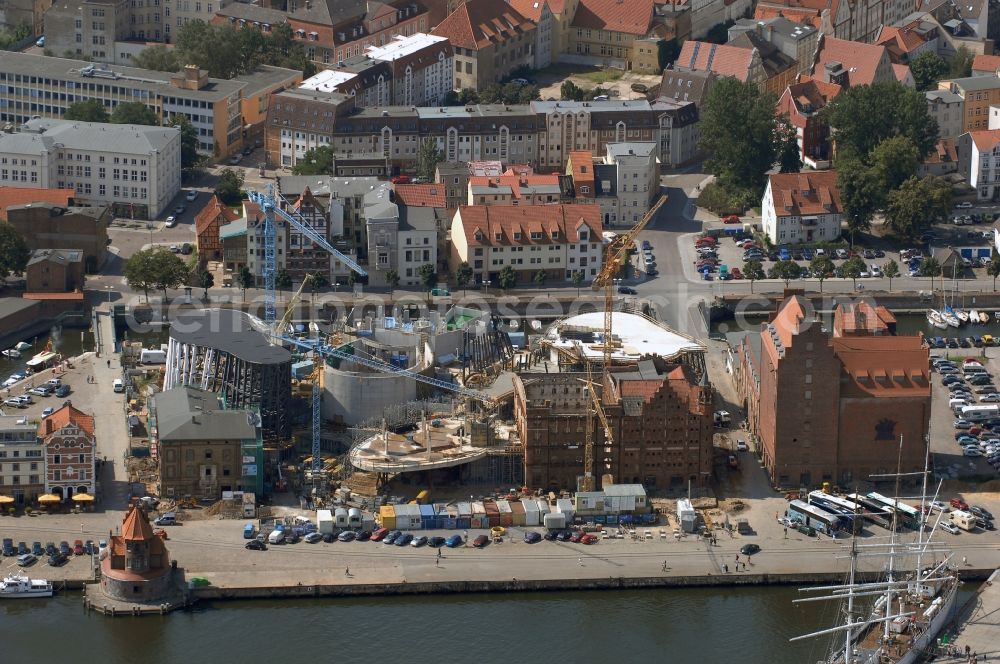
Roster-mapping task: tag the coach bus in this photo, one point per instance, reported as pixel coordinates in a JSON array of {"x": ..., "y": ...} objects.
[
  {"x": 814, "y": 516},
  {"x": 906, "y": 515},
  {"x": 872, "y": 511},
  {"x": 854, "y": 520}
]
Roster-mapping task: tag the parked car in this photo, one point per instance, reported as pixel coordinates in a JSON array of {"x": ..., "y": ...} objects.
[
  {"x": 235, "y": 159},
  {"x": 255, "y": 545},
  {"x": 481, "y": 541},
  {"x": 532, "y": 537},
  {"x": 419, "y": 541},
  {"x": 403, "y": 539},
  {"x": 26, "y": 559},
  {"x": 63, "y": 391},
  {"x": 36, "y": 548},
  {"x": 400, "y": 179},
  {"x": 627, "y": 290},
  {"x": 963, "y": 205},
  {"x": 587, "y": 538},
  {"x": 392, "y": 537},
  {"x": 731, "y": 219},
  {"x": 379, "y": 535},
  {"x": 436, "y": 542},
  {"x": 348, "y": 536},
  {"x": 453, "y": 541},
  {"x": 171, "y": 221},
  {"x": 981, "y": 512},
  {"x": 64, "y": 548},
  {"x": 58, "y": 559},
  {"x": 312, "y": 538},
  {"x": 364, "y": 535},
  {"x": 191, "y": 195},
  {"x": 749, "y": 549},
  {"x": 959, "y": 504},
  {"x": 78, "y": 548}
]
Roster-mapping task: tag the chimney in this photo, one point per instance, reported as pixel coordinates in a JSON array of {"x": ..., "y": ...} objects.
[{"x": 191, "y": 78}]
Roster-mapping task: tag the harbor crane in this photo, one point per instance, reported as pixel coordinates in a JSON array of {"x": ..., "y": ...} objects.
[{"x": 275, "y": 206}]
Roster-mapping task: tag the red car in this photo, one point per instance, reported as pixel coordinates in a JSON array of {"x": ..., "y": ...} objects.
[
  {"x": 705, "y": 240},
  {"x": 576, "y": 537},
  {"x": 400, "y": 179},
  {"x": 379, "y": 534},
  {"x": 588, "y": 539},
  {"x": 731, "y": 219},
  {"x": 960, "y": 504},
  {"x": 737, "y": 274},
  {"x": 78, "y": 547},
  {"x": 481, "y": 541}
]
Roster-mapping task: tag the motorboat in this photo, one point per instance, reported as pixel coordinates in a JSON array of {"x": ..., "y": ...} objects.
[
  {"x": 18, "y": 586},
  {"x": 22, "y": 345},
  {"x": 974, "y": 317},
  {"x": 11, "y": 353},
  {"x": 935, "y": 319}
]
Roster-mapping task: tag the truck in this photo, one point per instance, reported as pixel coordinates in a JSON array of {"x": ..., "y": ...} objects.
[
  {"x": 964, "y": 520},
  {"x": 152, "y": 356},
  {"x": 324, "y": 519}
]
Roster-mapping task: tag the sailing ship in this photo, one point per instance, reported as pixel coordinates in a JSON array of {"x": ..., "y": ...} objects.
[
  {"x": 949, "y": 317},
  {"x": 910, "y": 608},
  {"x": 935, "y": 319}
]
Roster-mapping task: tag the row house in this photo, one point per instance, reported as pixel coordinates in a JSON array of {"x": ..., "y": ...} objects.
[
  {"x": 207, "y": 224},
  {"x": 847, "y": 63},
  {"x": 857, "y": 20},
  {"x": 978, "y": 94},
  {"x": 70, "y": 452},
  {"x": 802, "y": 208},
  {"x": 803, "y": 104},
  {"x": 626, "y": 183},
  {"x": 22, "y": 460},
  {"x": 558, "y": 240},
  {"x": 948, "y": 110},
  {"x": 605, "y": 32},
  {"x": 515, "y": 189}
]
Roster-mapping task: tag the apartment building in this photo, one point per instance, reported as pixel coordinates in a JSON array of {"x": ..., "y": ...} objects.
[
  {"x": 45, "y": 225},
  {"x": 491, "y": 39},
  {"x": 847, "y": 63},
  {"x": 401, "y": 238},
  {"x": 178, "y": 13},
  {"x": 795, "y": 40},
  {"x": 22, "y": 460},
  {"x": 802, "y": 208},
  {"x": 803, "y": 104},
  {"x": 557, "y": 239},
  {"x": 978, "y": 155},
  {"x": 135, "y": 169},
  {"x": 409, "y": 71},
  {"x": 605, "y": 31},
  {"x": 743, "y": 64},
  {"x": 515, "y": 189},
  {"x": 948, "y": 110},
  {"x": 540, "y": 13},
  {"x": 69, "y": 439},
  {"x": 37, "y": 85},
  {"x": 978, "y": 93},
  {"x": 626, "y": 189}
]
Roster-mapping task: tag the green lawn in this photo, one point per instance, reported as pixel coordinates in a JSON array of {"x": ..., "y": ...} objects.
[
  {"x": 602, "y": 76},
  {"x": 597, "y": 76}
]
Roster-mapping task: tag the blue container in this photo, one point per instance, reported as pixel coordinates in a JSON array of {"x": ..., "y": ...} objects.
[
  {"x": 463, "y": 523},
  {"x": 451, "y": 523},
  {"x": 599, "y": 519},
  {"x": 612, "y": 519}
]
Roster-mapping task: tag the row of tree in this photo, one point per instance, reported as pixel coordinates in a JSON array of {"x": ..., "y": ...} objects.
[{"x": 226, "y": 52}]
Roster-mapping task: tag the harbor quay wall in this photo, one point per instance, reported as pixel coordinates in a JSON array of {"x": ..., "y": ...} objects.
[{"x": 535, "y": 585}]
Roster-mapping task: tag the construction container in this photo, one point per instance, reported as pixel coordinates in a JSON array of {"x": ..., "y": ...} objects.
[
  {"x": 464, "y": 521},
  {"x": 506, "y": 513},
  {"x": 531, "y": 514},
  {"x": 565, "y": 506},
  {"x": 354, "y": 517},
  {"x": 340, "y": 516},
  {"x": 302, "y": 369},
  {"x": 589, "y": 502},
  {"x": 427, "y": 519},
  {"x": 687, "y": 516},
  {"x": 543, "y": 508},
  {"x": 324, "y": 519},
  {"x": 555, "y": 520},
  {"x": 517, "y": 507},
  {"x": 408, "y": 517},
  {"x": 492, "y": 514},
  {"x": 387, "y": 516},
  {"x": 612, "y": 519}
]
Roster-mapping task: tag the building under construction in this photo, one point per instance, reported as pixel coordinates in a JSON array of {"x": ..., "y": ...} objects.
[{"x": 229, "y": 352}]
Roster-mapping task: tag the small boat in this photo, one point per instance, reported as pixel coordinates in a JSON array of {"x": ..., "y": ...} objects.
[
  {"x": 961, "y": 315},
  {"x": 42, "y": 360},
  {"x": 19, "y": 586},
  {"x": 12, "y": 353},
  {"x": 935, "y": 319},
  {"x": 22, "y": 345},
  {"x": 974, "y": 317},
  {"x": 950, "y": 318}
]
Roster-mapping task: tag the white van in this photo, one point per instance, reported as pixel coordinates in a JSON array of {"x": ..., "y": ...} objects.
[
  {"x": 276, "y": 536},
  {"x": 957, "y": 403},
  {"x": 117, "y": 385}
]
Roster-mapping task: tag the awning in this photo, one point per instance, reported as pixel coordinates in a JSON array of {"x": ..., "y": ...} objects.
[
  {"x": 49, "y": 498},
  {"x": 83, "y": 498},
  {"x": 6, "y": 500}
]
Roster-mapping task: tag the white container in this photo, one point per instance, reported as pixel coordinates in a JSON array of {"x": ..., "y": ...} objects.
[
  {"x": 324, "y": 520},
  {"x": 531, "y": 514},
  {"x": 340, "y": 517}
]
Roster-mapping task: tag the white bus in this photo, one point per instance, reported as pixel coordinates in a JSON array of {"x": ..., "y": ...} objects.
[{"x": 980, "y": 412}]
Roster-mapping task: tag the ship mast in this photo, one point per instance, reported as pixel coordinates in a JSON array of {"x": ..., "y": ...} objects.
[
  {"x": 892, "y": 540},
  {"x": 850, "y": 600}
]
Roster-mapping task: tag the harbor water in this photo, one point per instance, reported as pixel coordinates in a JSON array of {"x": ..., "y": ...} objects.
[{"x": 697, "y": 625}]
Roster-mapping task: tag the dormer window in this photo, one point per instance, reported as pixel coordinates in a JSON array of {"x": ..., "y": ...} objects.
[
  {"x": 555, "y": 235},
  {"x": 517, "y": 236},
  {"x": 535, "y": 235},
  {"x": 498, "y": 236},
  {"x": 583, "y": 235}
]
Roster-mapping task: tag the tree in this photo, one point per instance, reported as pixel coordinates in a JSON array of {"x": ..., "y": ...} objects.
[
  {"x": 570, "y": 91},
  {"x": 719, "y": 33},
  {"x": 282, "y": 280},
  {"x": 157, "y": 58},
  {"x": 865, "y": 115},
  {"x": 168, "y": 270},
  {"x": 667, "y": 51},
  {"x": 961, "y": 63},
  {"x": 215, "y": 48},
  {"x": 89, "y": 110},
  {"x": 14, "y": 251},
  {"x": 463, "y": 275},
  {"x": 507, "y": 278},
  {"x": 540, "y": 278},
  {"x": 138, "y": 270},
  {"x": 852, "y": 268},
  {"x": 134, "y": 112},
  {"x": 319, "y": 281},
  {"x": 428, "y": 159},
  {"x": 352, "y": 278},
  {"x": 753, "y": 271},
  {"x": 245, "y": 280},
  {"x": 928, "y": 68},
  {"x": 821, "y": 266},
  {"x": 860, "y": 194},
  {"x": 578, "y": 279},
  {"x": 917, "y": 204},
  {"x": 206, "y": 280},
  {"x": 229, "y": 188},
  {"x": 893, "y": 161},
  {"x": 789, "y": 156},
  {"x": 428, "y": 276},
  {"x": 993, "y": 269},
  {"x": 189, "y": 140},
  {"x": 931, "y": 268},
  {"x": 316, "y": 161},
  {"x": 787, "y": 270},
  {"x": 891, "y": 271},
  {"x": 392, "y": 280},
  {"x": 738, "y": 131}
]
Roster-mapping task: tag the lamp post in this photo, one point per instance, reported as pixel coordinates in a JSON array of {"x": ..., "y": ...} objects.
[
  {"x": 109, "y": 293},
  {"x": 149, "y": 227},
  {"x": 487, "y": 285}
]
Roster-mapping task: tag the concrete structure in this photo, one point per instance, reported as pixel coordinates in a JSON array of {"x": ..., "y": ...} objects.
[
  {"x": 130, "y": 167},
  {"x": 137, "y": 567},
  {"x": 802, "y": 208},
  {"x": 948, "y": 109},
  {"x": 226, "y": 351},
  {"x": 803, "y": 104},
  {"x": 70, "y": 445},
  {"x": 978, "y": 93},
  {"x": 979, "y": 162},
  {"x": 558, "y": 240},
  {"x": 834, "y": 409},
  {"x": 51, "y": 226},
  {"x": 490, "y": 39},
  {"x": 204, "y": 449},
  {"x": 22, "y": 460},
  {"x": 211, "y": 105},
  {"x": 54, "y": 271}
]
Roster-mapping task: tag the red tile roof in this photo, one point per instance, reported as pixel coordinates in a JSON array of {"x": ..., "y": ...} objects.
[
  {"x": 10, "y": 196},
  {"x": 807, "y": 97},
  {"x": 477, "y": 23},
  {"x": 582, "y": 162},
  {"x": 985, "y": 139},
  {"x": 787, "y": 322},
  {"x": 481, "y": 223},
  {"x": 722, "y": 59},
  {"x": 529, "y": 8},
  {"x": 804, "y": 15},
  {"x": 630, "y": 16},
  {"x": 65, "y": 416},
  {"x": 797, "y": 194},
  {"x": 212, "y": 211},
  {"x": 421, "y": 195},
  {"x": 646, "y": 388},
  {"x": 861, "y": 61},
  {"x": 987, "y": 64},
  {"x": 885, "y": 366},
  {"x": 944, "y": 152},
  {"x": 902, "y": 72},
  {"x": 904, "y": 40},
  {"x": 514, "y": 182},
  {"x": 136, "y": 527}
]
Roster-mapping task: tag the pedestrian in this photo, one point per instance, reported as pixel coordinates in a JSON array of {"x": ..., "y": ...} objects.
[
  {"x": 786, "y": 532},
  {"x": 580, "y": 561},
  {"x": 109, "y": 363},
  {"x": 81, "y": 527},
  {"x": 439, "y": 554},
  {"x": 347, "y": 571},
  {"x": 737, "y": 559},
  {"x": 437, "y": 561},
  {"x": 664, "y": 568},
  {"x": 725, "y": 568},
  {"x": 968, "y": 650},
  {"x": 749, "y": 562},
  {"x": 965, "y": 560}
]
